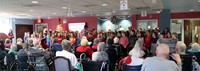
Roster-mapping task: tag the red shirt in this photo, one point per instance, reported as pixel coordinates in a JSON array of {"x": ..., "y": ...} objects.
[
  {"x": 147, "y": 41},
  {"x": 85, "y": 49},
  {"x": 44, "y": 45},
  {"x": 10, "y": 35},
  {"x": 59, "y": 40}
]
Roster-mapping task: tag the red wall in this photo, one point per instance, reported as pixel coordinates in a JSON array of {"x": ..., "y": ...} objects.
[
  {"x": 92, "y": 20},
  {"x": 185, "y": 15},
  {"x": 53, "y": 22}
]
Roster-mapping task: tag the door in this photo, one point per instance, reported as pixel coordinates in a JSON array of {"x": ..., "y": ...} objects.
[
  {"x": 187, "y": 32},
  {"x": 21, "y": 29}
]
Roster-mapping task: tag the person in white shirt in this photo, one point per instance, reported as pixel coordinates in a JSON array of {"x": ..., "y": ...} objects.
[
  {"x": 65, "y": 53},
  {"x": 160, "y": 61}
]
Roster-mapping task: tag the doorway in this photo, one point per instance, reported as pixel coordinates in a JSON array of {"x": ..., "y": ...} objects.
[{"x": 21, "y": 29}]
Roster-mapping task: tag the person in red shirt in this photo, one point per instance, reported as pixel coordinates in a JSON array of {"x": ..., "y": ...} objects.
[
  {"x": 43, "y": 44},
  {"x": 10, "y": 35},
  {"x": 59, "y": 37},
  {"x": 147, "y": 42},
  {"x": 84, "y": 48}
]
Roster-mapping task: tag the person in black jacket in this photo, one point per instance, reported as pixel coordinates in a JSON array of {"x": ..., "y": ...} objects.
[{"x": 112, "y": 54}]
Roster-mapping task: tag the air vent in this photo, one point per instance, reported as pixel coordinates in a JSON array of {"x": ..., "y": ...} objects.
[
  {"x": 89, "y": 5},
  {"x": 142, "y": 7},
  {"x": 32, "y": 5}
]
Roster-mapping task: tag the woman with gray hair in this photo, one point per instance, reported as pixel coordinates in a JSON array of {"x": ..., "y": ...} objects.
[
  {"x": 100, "y": 55},
  {"x": 135, "y": 57},
  {"x": 195, "y": 47}
]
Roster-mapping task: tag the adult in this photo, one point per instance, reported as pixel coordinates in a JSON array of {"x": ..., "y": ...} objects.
[
  {"x": 112, "y": 53},
  {"x": 124, "y": 40},
  {"x": 160, "y": 61},
  {"x": 180, "y": 48},
  {"x": 19, "y": 44},
  {"x": 65, "y": 53},
  {"x": 132, "y": 39},
  {"x": 195, "y": 47},
  {"x": 135, "y": 57},
  {"x": 56, "y": 46},
  {"x": 7, "y": 43},
  {"x": 100, "y": 55},
  {"x": 95, "y": 44},
  {"x": 84, "y": 48},
  {"x": 164, "y": 33},
  {"x": 10, "y": 35}
]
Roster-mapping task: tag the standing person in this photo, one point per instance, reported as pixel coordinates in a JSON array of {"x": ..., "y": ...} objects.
[
  {"x": 164, "y": 33},
  {"x": 84, "y": 32},
  {"x": 59, "y": 37},
  {"x": 72, "y": 39},
  {"x": 124, "y": 40},
  {"x": 132, "y": 39},
  {"x": 153, "y": 42},
  {"x": 147, "y": 41},
  {"x": 10, "y": 35},
  {"x": 160, "y": 62}
]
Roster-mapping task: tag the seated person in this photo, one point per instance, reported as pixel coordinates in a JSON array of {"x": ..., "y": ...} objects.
[
  {"x": 19, "y": 43},
  {"x": 160, "y": 61},
  {"x": 40, "y": 55},
  {"x": 56, "y": 46},
  {"x": 180, "y": 48},
  {"x": 100, "y": 54},
  {"x": 30, "y": 42},
  {"x": 194, "y": 48},
  {"x": 65, "y": 53},
  {"x": 7, "y": 43},
  {"x": 136, "y": 56},
  {"x": 22, "y": 57},
  {"x": 84, "y": 48},
  {"x": 95, "y": 44},
  {"x": 13, "y": 49}
]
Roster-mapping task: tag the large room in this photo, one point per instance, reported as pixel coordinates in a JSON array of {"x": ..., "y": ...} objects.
[{"x": 99, "y": 35}]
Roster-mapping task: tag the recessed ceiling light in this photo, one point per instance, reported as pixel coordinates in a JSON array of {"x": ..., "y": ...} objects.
[
  {"x": 83, "y": 11},
  {"x": 31, "y": 10},
  {"x": 64, "y": 7},
  {"x": 191, "y": 9},
  {"x": 198, "y": 0},
  {"x": 34, "y": 2},
  {"x": 104, "y": 4},
  {"x": 54, "y": 13}
]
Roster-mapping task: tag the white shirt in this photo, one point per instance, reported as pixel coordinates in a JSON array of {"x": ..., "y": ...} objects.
[{"x": 68, "y": 55}]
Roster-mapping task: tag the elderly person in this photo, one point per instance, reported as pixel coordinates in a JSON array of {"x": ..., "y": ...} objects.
[
  {"x": 13, "y": 49},
  {"x": 100, "y": 55},
  {"x": 121, "y": 51},
  {"x": 95, "y": 44},
  {"x": 65, "y": 53},
  {"x": 160, "y": 61},
  {"x": 136, "y": 56},
  {"x": 22, "y": 57},
  {"x": 180, "y": 48},
  {"x": 40, "y": 55},
  {"x": 195, "y": 47},
  {"x": 19, "y": 43},
  {"x": 84, "y": 48}
]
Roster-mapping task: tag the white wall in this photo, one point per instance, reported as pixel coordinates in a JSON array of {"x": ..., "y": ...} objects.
[{"x": 20, "y": 21}]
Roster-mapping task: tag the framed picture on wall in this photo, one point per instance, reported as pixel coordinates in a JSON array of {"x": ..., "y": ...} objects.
[{"x": 39, "y": 28}]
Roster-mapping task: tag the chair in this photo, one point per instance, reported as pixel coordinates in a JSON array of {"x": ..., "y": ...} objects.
[
  {"x": 37, "y": 62},
  {"x": 186, "y": 62},
  {"x": 22, "y": 62},
  {"x": 14, "y": 66},
  {"x": 197, "y": 55},
  {"x": 2, "y": 66},
  {"x": 62, "y": 64},
  {"x": 9, "y": 59},
  {"x": 171, "y": 43},
  {"x": 95, "y": 66},
  {"x": 131, "y": 68},
  {"x": 81, "y": 55}
]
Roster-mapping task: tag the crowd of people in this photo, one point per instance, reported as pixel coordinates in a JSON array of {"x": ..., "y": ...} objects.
[{"x": 132, "y": 47}]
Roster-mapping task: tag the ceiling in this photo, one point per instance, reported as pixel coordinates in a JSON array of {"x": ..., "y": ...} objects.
[{"x": 53, "y": 8}]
